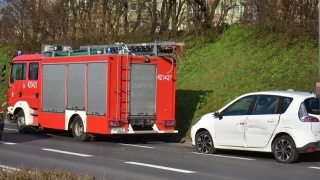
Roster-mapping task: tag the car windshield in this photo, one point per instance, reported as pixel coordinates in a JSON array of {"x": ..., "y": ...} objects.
[{"x": 312, "y": 105}]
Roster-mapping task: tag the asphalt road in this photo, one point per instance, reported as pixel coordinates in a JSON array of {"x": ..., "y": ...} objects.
[{"x": 117, "y": 158}]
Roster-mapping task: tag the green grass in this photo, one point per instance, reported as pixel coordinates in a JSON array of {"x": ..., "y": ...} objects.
[
  {"x": 238, "y": 62},
  {"x": 5, "y": 59}
]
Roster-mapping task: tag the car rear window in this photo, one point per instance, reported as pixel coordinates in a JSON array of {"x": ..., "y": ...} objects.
[
  {"x": 312, "y": 105},
  {"x": 285, "y": 104}
]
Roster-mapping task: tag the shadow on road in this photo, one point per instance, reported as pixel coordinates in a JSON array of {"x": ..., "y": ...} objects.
[
  {"x": 12, "y": 135},
  {"x": 187, "y": 102}
]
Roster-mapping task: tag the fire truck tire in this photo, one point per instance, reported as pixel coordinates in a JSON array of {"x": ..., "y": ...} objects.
[
  {"x": 78, "y": 130},
  {"x": 21, "y": 124}
]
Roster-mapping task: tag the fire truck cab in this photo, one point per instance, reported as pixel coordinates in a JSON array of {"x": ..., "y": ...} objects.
[{"x": 97, "y": 89}]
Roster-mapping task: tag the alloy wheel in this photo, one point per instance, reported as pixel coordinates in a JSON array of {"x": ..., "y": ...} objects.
[
  {"x": 204, "y": 143},
  {"x": 283, "y": 150}
]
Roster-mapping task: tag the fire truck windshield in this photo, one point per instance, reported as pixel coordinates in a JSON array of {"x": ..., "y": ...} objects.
[{"x": 18, "y": 72}]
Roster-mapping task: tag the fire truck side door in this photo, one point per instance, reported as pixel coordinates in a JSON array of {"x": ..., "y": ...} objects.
[
  {"x": 31, "y": 89},
  {"x": 17, "y": 81}
]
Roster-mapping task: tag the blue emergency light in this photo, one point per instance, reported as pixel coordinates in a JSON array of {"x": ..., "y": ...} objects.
[{"x": 109, "y": 50}]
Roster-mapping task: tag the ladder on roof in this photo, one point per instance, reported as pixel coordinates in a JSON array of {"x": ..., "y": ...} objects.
[
  {"x": 152, "y": 49},
  {"x": 123, "y": 89}
]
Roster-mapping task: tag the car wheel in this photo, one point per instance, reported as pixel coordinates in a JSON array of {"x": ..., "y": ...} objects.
[
  {"x": 21, "y": 122},
  {"x": 284, "y": 149},
  {"x": 204, "y": 143},
  {"x": 78, "y": 130}
]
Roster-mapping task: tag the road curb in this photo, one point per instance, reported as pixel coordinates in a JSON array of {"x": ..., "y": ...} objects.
[
  {"x": 185, "y": 141},
  {"x": 7, "y": 122}
]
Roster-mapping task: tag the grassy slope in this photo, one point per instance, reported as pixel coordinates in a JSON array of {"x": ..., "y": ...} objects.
[
  {"x": 5, "y": 58},
  {"x": 238, "y": 62},
  {"x": 216, "y": 71}
]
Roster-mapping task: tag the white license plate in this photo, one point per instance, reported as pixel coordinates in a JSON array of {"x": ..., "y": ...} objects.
[{"x": 117, "y": 129}]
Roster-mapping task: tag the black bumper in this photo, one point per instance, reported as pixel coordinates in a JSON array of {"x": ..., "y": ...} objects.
[{"x": 304, "y": 149}]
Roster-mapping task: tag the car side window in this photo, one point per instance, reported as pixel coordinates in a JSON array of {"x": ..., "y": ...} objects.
[
  {"x": 240, "y": 107},
  {"x": 266, "y": 104},
  {"x": 285, "y": 104}
]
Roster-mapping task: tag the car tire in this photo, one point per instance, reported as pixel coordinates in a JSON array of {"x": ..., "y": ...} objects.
[
  {"x": 284, "y": 149},
  {"x": 204, "y": 143},
  {"x": 78, "y": 130},
  {"x": 21, "y": 123}
]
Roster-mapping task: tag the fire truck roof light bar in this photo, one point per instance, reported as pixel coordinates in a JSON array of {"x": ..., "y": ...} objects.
[{"x": 117, "y": 48}]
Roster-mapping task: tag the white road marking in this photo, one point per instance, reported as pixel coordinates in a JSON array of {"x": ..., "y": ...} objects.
[
  {"x": 314, "y": 167},
  {"x": 8, "y": 168},
  {"x": 8, "y": 143},
  {"x": 66, "y": 152},
  {"x": 135, "y": 145},
  {"x": 10, "y": 129},
  {"x": 248, "y": 159},
  {"x": 160, "y": 167}
]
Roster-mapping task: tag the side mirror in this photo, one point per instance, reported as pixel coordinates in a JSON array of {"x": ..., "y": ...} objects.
[
  {"x": 217, "y": 114},
  {"x": 2, "y": 73},
  {"x": 3, "y": 67}
]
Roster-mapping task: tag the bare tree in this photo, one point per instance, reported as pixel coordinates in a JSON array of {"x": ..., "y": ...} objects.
[
  {"x": 28, "y": 23},
  {"x": 297, "y": 17},
  {"x": 209, "y": 14}
]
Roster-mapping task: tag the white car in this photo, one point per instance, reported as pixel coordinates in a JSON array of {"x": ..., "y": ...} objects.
[{"x": 285, "y": 123}]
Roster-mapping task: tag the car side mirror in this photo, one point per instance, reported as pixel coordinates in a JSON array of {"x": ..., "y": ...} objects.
[
  {"x": 217, "y": 114},
  {"x": 2, "y": 72},
  {"x": 3, "y": 67}
]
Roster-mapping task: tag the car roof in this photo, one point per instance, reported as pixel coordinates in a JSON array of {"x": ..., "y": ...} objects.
[{"x": 289, "y": 93}]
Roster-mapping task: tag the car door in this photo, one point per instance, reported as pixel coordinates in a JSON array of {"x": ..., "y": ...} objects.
[
  {"x": 230, "y": 128},
  {"x": 261, "y": 124}
]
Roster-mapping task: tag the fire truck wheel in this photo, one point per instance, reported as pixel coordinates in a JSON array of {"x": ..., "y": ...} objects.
[
  {"x": 78, "y": 130},
  {"x": 21, "y": 124}
]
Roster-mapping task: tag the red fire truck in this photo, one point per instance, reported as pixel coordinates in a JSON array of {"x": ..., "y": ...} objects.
[{"x": 97, "y": 89}]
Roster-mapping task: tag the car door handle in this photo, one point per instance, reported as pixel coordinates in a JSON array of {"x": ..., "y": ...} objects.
[
  {"x": 240, "y": 123},
  {"x": 270, "y": 121}
]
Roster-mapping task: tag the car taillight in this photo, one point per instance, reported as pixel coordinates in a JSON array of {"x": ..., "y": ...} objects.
[
  {"x": 169, "y": 123},
  {"x": 309, "y": 119},
  {"x": 304, "y": 116},
  {"x": 311, "y": 149},
  {"x": 115, "y": 123}
]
